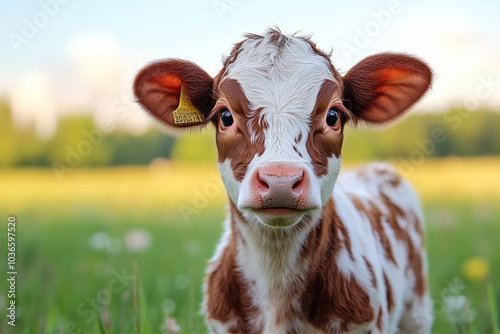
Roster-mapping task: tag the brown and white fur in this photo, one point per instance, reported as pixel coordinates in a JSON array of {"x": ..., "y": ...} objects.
[{"x": 305, "y": 250}]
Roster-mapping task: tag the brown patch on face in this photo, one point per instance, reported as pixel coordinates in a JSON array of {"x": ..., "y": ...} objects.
[
  {"x": 415, "y": 261},
  {"x": 324, "y": 142},
  {"x": 375, "y": 217},
  {"x": 229, "y": 297},
  {"x": 296, "y": 149},
  {"x": 297, "y": 141},
  {"x": 235, "y": 143},
  {"x": 324, "y": 299},
  {"x": 298, "y": 138},
  {"x": 277, "y": 38},
  {"x": 388, "y": 292}
]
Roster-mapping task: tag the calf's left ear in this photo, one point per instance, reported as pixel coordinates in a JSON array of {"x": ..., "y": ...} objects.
[
  {"x": 176, "y": 92},
  {"x": 382, "y": 87}
]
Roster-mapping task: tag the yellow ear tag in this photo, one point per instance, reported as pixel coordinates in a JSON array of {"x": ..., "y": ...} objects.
[{"x": 186, "y": 113}]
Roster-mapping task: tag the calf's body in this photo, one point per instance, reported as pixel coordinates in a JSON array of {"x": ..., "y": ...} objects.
[
  {"x": 304, "y": 250},
  {"x": 358, "y": 268}
]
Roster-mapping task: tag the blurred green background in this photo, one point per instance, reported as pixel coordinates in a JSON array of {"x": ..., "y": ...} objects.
[{"x": 115, "y": 221}]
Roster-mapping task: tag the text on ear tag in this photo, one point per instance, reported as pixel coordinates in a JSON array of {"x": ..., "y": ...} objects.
[{"x": 186, "y": 112}]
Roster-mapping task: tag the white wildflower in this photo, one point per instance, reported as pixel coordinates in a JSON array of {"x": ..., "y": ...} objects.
[
  {"x": 171, "y": 326},
  {"x": 458, "y": 310},
  {"x": 137, "y": 240},
  {"x": 99, "y": 240}
]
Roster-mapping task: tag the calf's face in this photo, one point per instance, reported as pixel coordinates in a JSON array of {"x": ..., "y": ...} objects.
[{"x": 279, "y": 108}]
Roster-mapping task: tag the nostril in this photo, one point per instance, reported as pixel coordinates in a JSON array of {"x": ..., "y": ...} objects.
[
  {"x": 262, "y": 183},
  {"x": 280, "y": 183},
  {"x": 297, "y": 186}
]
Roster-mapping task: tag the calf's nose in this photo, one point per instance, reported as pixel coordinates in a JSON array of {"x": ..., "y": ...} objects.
[{"x": 279, "y": 187}]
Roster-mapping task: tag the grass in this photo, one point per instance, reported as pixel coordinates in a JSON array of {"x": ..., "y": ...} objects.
[{"x": 68, "y": 283}]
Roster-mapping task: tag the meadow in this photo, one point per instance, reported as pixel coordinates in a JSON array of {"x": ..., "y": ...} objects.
[{"x": 124, "y": 249}]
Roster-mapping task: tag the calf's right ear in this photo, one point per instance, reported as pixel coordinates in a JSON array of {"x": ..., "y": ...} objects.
[
  {"x": 175, "y": 92},
  {"x": 381, "y": 88}
]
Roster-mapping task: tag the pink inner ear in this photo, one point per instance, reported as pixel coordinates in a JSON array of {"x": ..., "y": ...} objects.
[
  {"x": 382, "y": 87},
  {"x": 391, "y": 77},
  {"x": 391, "y": 74},
  {"x": 168, "y": 81},
  {"x": 396, "y": 91},
  {"x": 158, "y": 87}
]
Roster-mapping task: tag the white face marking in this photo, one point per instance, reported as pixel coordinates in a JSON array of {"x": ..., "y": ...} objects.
[
  {"x": 230, "y": 183},
  {"x": 283, "y": 84}
]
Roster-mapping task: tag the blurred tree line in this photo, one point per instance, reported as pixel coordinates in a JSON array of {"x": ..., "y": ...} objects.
[
  {"x": 456, "y": 132},
  {"x": 79, "y": 143}
]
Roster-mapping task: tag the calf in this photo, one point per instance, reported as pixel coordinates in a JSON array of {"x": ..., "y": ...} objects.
[{"x": 299, "y": 255}]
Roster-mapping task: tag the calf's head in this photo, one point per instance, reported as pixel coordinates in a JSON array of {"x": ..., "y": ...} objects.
[{"x": 279, "y": 108}]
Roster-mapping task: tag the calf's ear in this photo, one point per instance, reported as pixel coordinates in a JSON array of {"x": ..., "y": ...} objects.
[
  {"x": 175, "y": 92},
  {"x": 382, "y": 87}
]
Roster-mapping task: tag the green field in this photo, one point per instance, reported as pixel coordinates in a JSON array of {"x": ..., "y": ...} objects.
[{"x": 76, "y": 261}]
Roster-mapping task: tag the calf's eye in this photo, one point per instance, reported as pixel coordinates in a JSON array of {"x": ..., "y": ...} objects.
[
  {"x": 332, "y": 117},
  {"x": 226, "y": 117}
]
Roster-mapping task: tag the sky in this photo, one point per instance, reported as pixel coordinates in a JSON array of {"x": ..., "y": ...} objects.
[{"x": 59, "y": 57}]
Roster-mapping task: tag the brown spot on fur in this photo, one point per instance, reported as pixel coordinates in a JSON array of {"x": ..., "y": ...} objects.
[
  {"x": 379, "y": 319},
  {"x": 229, "y": 295},
  {"x": 388, "y": 292},
  {"x": 345, "y": 236},
  {"x": 417, "y": 226},
  {"x": 257, "y": 124},
  {"x": 393, "y": 178},
  {"x": 372, "y": 272},
  {"x": 277, "y": 38},
  {"x": 415, "y": 262},
  {"x": 236, "y": 215},
  {"x": 325, "y": 299},
  {"x": 299, "y": 138},
  {"x": 395, "y": 181},
  {"x": 374, "y": 215},
  {"x": 392, "y": 218},
  {"x": 296, "y": 149}
]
